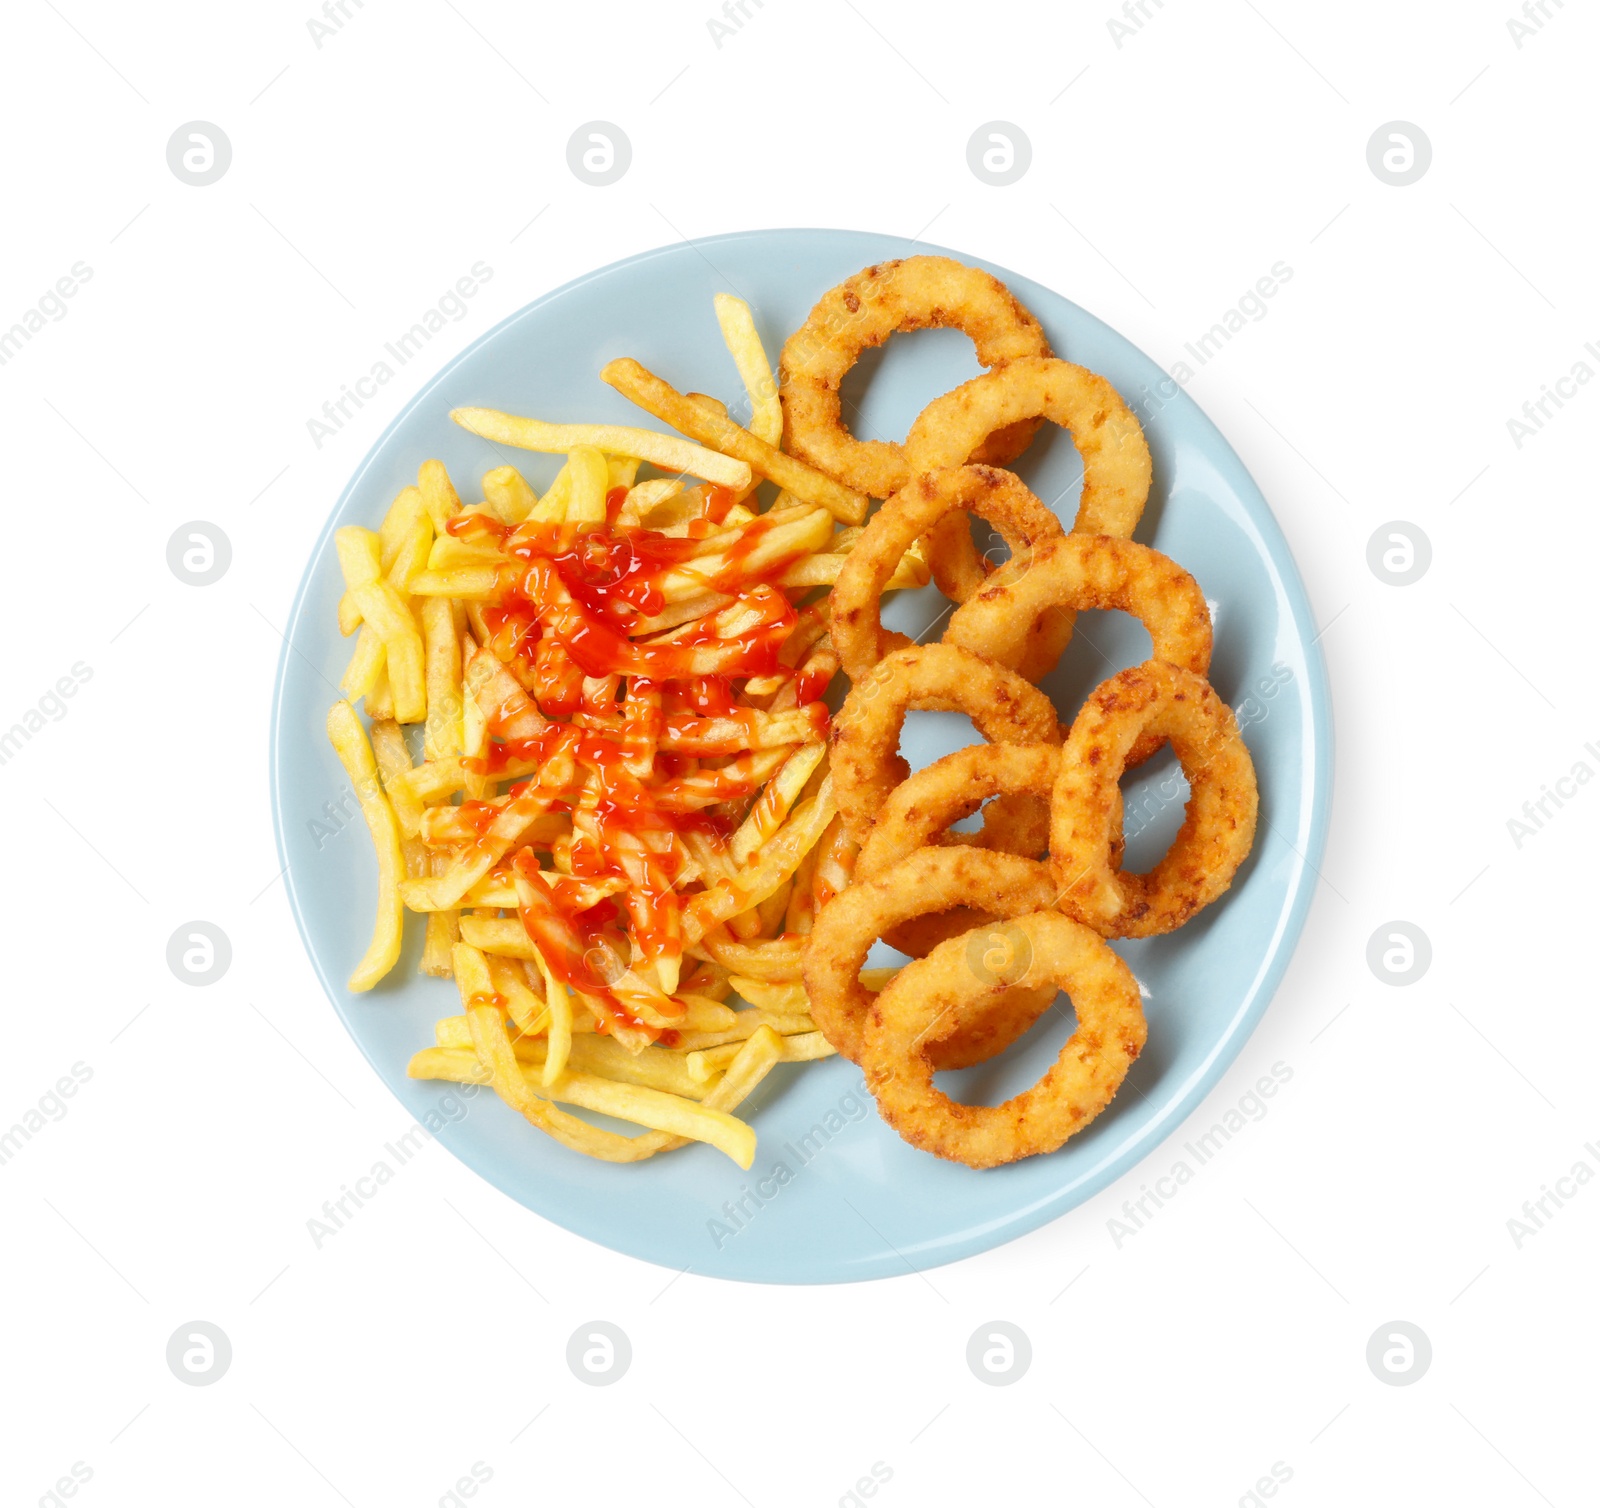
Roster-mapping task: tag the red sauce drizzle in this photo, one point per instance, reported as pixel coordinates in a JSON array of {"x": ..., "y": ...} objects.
[{"x": 562, "y": 620}]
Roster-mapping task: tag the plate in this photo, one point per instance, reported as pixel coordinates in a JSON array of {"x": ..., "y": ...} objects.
[{"x": 834, "y": 1195}]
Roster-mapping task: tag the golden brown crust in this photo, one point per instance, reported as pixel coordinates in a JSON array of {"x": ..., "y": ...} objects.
[
  {"x": 996, "y": 496},
  {"x": 938, "y": 678},
  {"x": 1219, "y": 821},
  {"x": 925, "y": 882},
  {"x": 1116, "y": 458},
  {"x": 952, "y": 988},
  {"x": 1017, "y": 619},
  {"x": 915, "y": 293}
]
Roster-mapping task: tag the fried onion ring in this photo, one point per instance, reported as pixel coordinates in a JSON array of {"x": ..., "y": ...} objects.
[
  {"x": 1016, "y": 620},
  {"x": 1116, "y": 459},
  {"x": 939, "y": 678},
  {"x": 919, "y": 810},
  {"x": 865, "y": 310},
  {"x": 926, "y": 881},
  {"x": 926, "y": 803},
  {"x": 937, "y": 996},
  {"x": 922, "y": 807},
  {"x": 1219, "y": 820},
  {"x": 995, "y": 496}
]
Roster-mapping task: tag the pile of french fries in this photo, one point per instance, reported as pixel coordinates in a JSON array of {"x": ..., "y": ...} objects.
[{"x": 478, "y": 833}]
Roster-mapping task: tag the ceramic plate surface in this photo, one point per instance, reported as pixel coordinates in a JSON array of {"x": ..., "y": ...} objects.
[{"x": 834, "y": 1195}]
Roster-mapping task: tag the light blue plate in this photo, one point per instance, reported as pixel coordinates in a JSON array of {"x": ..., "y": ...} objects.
[{"x": 834, "y": 1194}]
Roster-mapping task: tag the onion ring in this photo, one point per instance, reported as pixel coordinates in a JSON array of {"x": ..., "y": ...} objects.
[
  {"x": 995, "y": 496},
  {"x": 919, "y": 810},
  {"x": 928, "y": 880},
  {"x": 926, "y": 803},
  {"x": 922, "y": 807},
  {"x": 1219, "y": 820},
  {"x": 935, "y": 997},
  {"x": 1116, "y": 459},
  {"x": 865, "y": 310},
  {"x": 1016, "y": 620},
  {"x": 942, "y": 678}
]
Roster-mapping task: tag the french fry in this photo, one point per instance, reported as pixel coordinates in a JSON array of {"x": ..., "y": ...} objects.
[
  {"x": 402, "y": 545},
  {"x": 442, "y": 679},
  {"x": 466, "y": 582},
  {"x": 355, "y": 754},
  {"x": 455, "y": 1031},
  {"x": 681, "y": 1114},
  {"x": 379, "y": 701},
  {"x": 385, "y": 611},
  {"x": 787, "y": 997},
  {"x": 439, "y": 937},
  {"x": 557, "y": 1023},
  {"x": 360, "y": 560},
  {"x": 505, "y": 491},
  {"x": 667, "y": 1113},
  {"x": 644, "y": 497},
  {"x": 654, "y": 1068},
  {"x": 776, "y": 961},
  {"x": 670, "y": 1113},
  {"x": 447, "y": 553},
  {"x": 775, "y": 802},
  {"x": 406, "y": 540},
  {"x": 755, "y": 371},
  {"x": 800, "y": 910},
  {"x": 823, "y": 570},
  {"x": 747, "y": 1024},
  {"x": 590, "y": 482},
  {"x": 788, "y": 539},
  {"x": 704, "y": 1065},
  {"x": 394, "y": 761},
  {"x": 665, "y": 451},
  {"x": 761, "y": 457},
  {"x": 441, "y": 892},
  {"x": 438, "y": 494},
  {"x": 365, "y": 666},
  {"x": 492, "y": 1045},
  {"x": 775, "y": 864},
  {"x": 690, "y": 610},
  {"x": 500, "y": 699},
  {"x": 384, "y": 608},
  {"x": 442, "y": 930},
  {"x": 510, "y": 981}
]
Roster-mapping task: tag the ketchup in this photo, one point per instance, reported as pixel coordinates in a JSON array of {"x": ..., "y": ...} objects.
[{"x": 633, "y": 716}]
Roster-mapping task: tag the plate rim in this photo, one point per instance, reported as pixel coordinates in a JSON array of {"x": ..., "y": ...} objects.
[{"x": 1317, "y": 776}]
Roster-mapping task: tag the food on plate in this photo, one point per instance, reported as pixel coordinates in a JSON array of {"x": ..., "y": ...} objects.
[
  {"x": 1116, "y": 459},
  {"x": 915, "y": 293},
  {"x": 937, "y": 678},
  {"x": 355, "y": 754},
  {"x": 707, "y": 423},
  {"x": 1016, "y": 620},
  {"x": 1219, "y": 822},
  {"x": 995, "y": 496},
  {"x": 927, "y": 881},
  {"x": 919, "y": 812},
  {"x": 937, "y": 997},
  {"x": 598, "y": 760},
  {"x": 622, "y": 813}
]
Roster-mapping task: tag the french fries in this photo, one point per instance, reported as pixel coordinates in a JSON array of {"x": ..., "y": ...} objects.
[
  {"x": 666, "y": 451},
  {"x": 349, "y": 742},
  {"x": 755, "y": 371},
  {"x": 617, "y": 821},
  {"x": 703, "y": 423}
]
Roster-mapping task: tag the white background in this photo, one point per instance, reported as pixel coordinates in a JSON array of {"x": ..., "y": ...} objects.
[{"x": 1168, "y": 174}]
